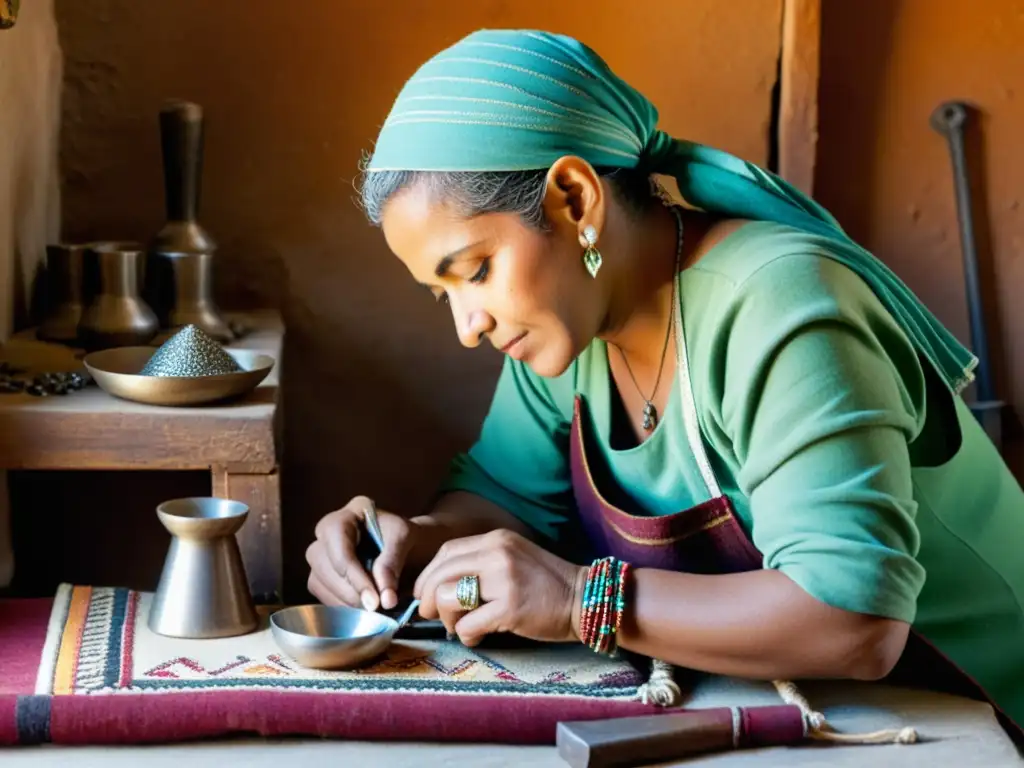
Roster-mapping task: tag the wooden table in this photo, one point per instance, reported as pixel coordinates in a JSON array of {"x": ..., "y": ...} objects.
[{"x": 89, "y": 429}]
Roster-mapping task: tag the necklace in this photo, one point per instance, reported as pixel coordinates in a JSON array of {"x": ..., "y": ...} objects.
[{"x": 650, "y": 413}]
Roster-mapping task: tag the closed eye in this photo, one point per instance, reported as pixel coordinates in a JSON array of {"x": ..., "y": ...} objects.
[
  {"x": 481, "y": 274},
  {"x": 478, "y": 277}
]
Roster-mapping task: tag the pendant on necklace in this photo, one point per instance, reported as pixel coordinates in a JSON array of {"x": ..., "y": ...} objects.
[{"x": 650, "y": 416}]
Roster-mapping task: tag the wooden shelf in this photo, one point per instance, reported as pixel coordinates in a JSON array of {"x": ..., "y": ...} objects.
[{"x": 90, "y": 429}]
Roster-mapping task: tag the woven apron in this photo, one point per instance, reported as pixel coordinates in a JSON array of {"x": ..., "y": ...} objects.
[{"x": 708, "y": 538}]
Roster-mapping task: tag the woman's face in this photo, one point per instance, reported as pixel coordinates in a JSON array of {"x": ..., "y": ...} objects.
[{"x": 523, "y": 290}]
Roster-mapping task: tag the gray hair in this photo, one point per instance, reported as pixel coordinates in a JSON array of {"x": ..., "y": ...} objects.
[{"x": 472, "y": 193}]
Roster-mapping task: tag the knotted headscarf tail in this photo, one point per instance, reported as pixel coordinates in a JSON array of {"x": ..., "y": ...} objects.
[{"x": 514, "y": 100}]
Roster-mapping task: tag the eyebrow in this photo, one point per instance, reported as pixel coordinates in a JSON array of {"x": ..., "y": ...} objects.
[{"x": 445, "y": 263}]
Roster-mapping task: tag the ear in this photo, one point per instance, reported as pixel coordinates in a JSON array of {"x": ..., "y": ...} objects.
[{"x": 574, "y": 196}]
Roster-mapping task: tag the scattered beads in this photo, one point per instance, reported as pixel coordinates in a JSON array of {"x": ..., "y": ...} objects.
[{"x": 42, "y": 384}]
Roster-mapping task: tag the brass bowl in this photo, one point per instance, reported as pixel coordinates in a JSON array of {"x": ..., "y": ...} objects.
[{"x": 116, "y": 371}]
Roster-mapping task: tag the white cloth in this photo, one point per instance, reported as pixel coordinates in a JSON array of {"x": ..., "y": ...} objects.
[{"x": 31, "y": 73}]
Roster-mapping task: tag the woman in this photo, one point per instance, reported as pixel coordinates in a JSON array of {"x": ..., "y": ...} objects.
[{"x": 724, "y": 436}]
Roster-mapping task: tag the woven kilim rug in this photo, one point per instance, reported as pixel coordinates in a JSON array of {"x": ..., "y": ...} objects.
[
  {"x": 103, "y": 678},
  {"x": 719, "y": 714},
  {"x": 98, "y": 641}
]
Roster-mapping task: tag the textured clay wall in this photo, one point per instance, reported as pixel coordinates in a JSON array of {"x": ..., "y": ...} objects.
[
  {"x": 30, "y": 86},
  {"x": 886, "y": 64},
  {"x": 378, "y": 393}
]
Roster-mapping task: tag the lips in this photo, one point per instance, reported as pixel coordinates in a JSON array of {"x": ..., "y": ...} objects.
[{"x": 513, "y": 342}]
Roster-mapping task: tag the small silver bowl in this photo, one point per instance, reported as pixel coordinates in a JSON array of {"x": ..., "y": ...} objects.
[{"x": 334, "y": 637}]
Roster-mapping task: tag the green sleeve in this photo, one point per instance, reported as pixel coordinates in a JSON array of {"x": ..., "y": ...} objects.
[
  {"x": 520, "y": 459},
  {"x": 822, "y": 393}
]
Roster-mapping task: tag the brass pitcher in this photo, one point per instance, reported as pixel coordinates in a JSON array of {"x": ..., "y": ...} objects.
[
  {"x": 180, "y": 283},
  {"x": 64, "y": 298},
  {"x": 117, "y": 315},
  {"x": 203, "y": 590}
]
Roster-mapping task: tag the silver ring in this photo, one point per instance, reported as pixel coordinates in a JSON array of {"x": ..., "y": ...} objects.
[{"x": 467, "y": 592}]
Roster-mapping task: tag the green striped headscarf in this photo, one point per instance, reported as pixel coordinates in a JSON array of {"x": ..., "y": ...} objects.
[{"x": 514, "y": 100}]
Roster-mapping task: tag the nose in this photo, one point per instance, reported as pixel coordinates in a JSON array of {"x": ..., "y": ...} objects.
[{"x": 472, "y": 323}]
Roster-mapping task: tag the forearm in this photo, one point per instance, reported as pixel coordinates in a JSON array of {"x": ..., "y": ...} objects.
[
  {"x": 758, "y": 625},
  {"x": 456, "y": 515}
]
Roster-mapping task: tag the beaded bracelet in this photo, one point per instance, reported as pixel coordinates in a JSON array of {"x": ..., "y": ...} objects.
[{"x": 604, "y": 600}]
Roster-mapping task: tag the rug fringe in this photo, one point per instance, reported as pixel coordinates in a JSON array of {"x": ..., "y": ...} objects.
[
  {"x": 660, "y": 689},
  {"x": 819, "y": 729}
]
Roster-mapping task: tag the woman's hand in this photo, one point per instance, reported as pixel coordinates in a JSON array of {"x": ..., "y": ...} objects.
[
  {"x": 524, "y": 589},
  {"x": 337, "y": 577}
]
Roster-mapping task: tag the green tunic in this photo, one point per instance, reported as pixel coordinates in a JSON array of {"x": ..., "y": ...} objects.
[{"x": 849, "y": 464}]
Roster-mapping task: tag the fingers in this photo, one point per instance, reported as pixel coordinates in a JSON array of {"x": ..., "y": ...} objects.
[
  {"x": 320, "y": 592},
  {"x": 449, "y": 572},
  {"x": 470, "y": 626},
  {"x": 449, "y": 609},
  {"x": 335, "y": 559},
  {"x": 325, "y": 583},
  {"x": 447, "y": 606},
  {"x": 326, "y": 595},
  {"x": 491, "y": 558},
  {"x": 488, "y": 619},
  {"x": 339, "y": 535},
  {"x": 386, "y": 569},
  {"x": 449, "y": 551}
]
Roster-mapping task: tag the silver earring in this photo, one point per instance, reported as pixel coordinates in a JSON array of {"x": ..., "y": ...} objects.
[{"x": 591, "y": 256}]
